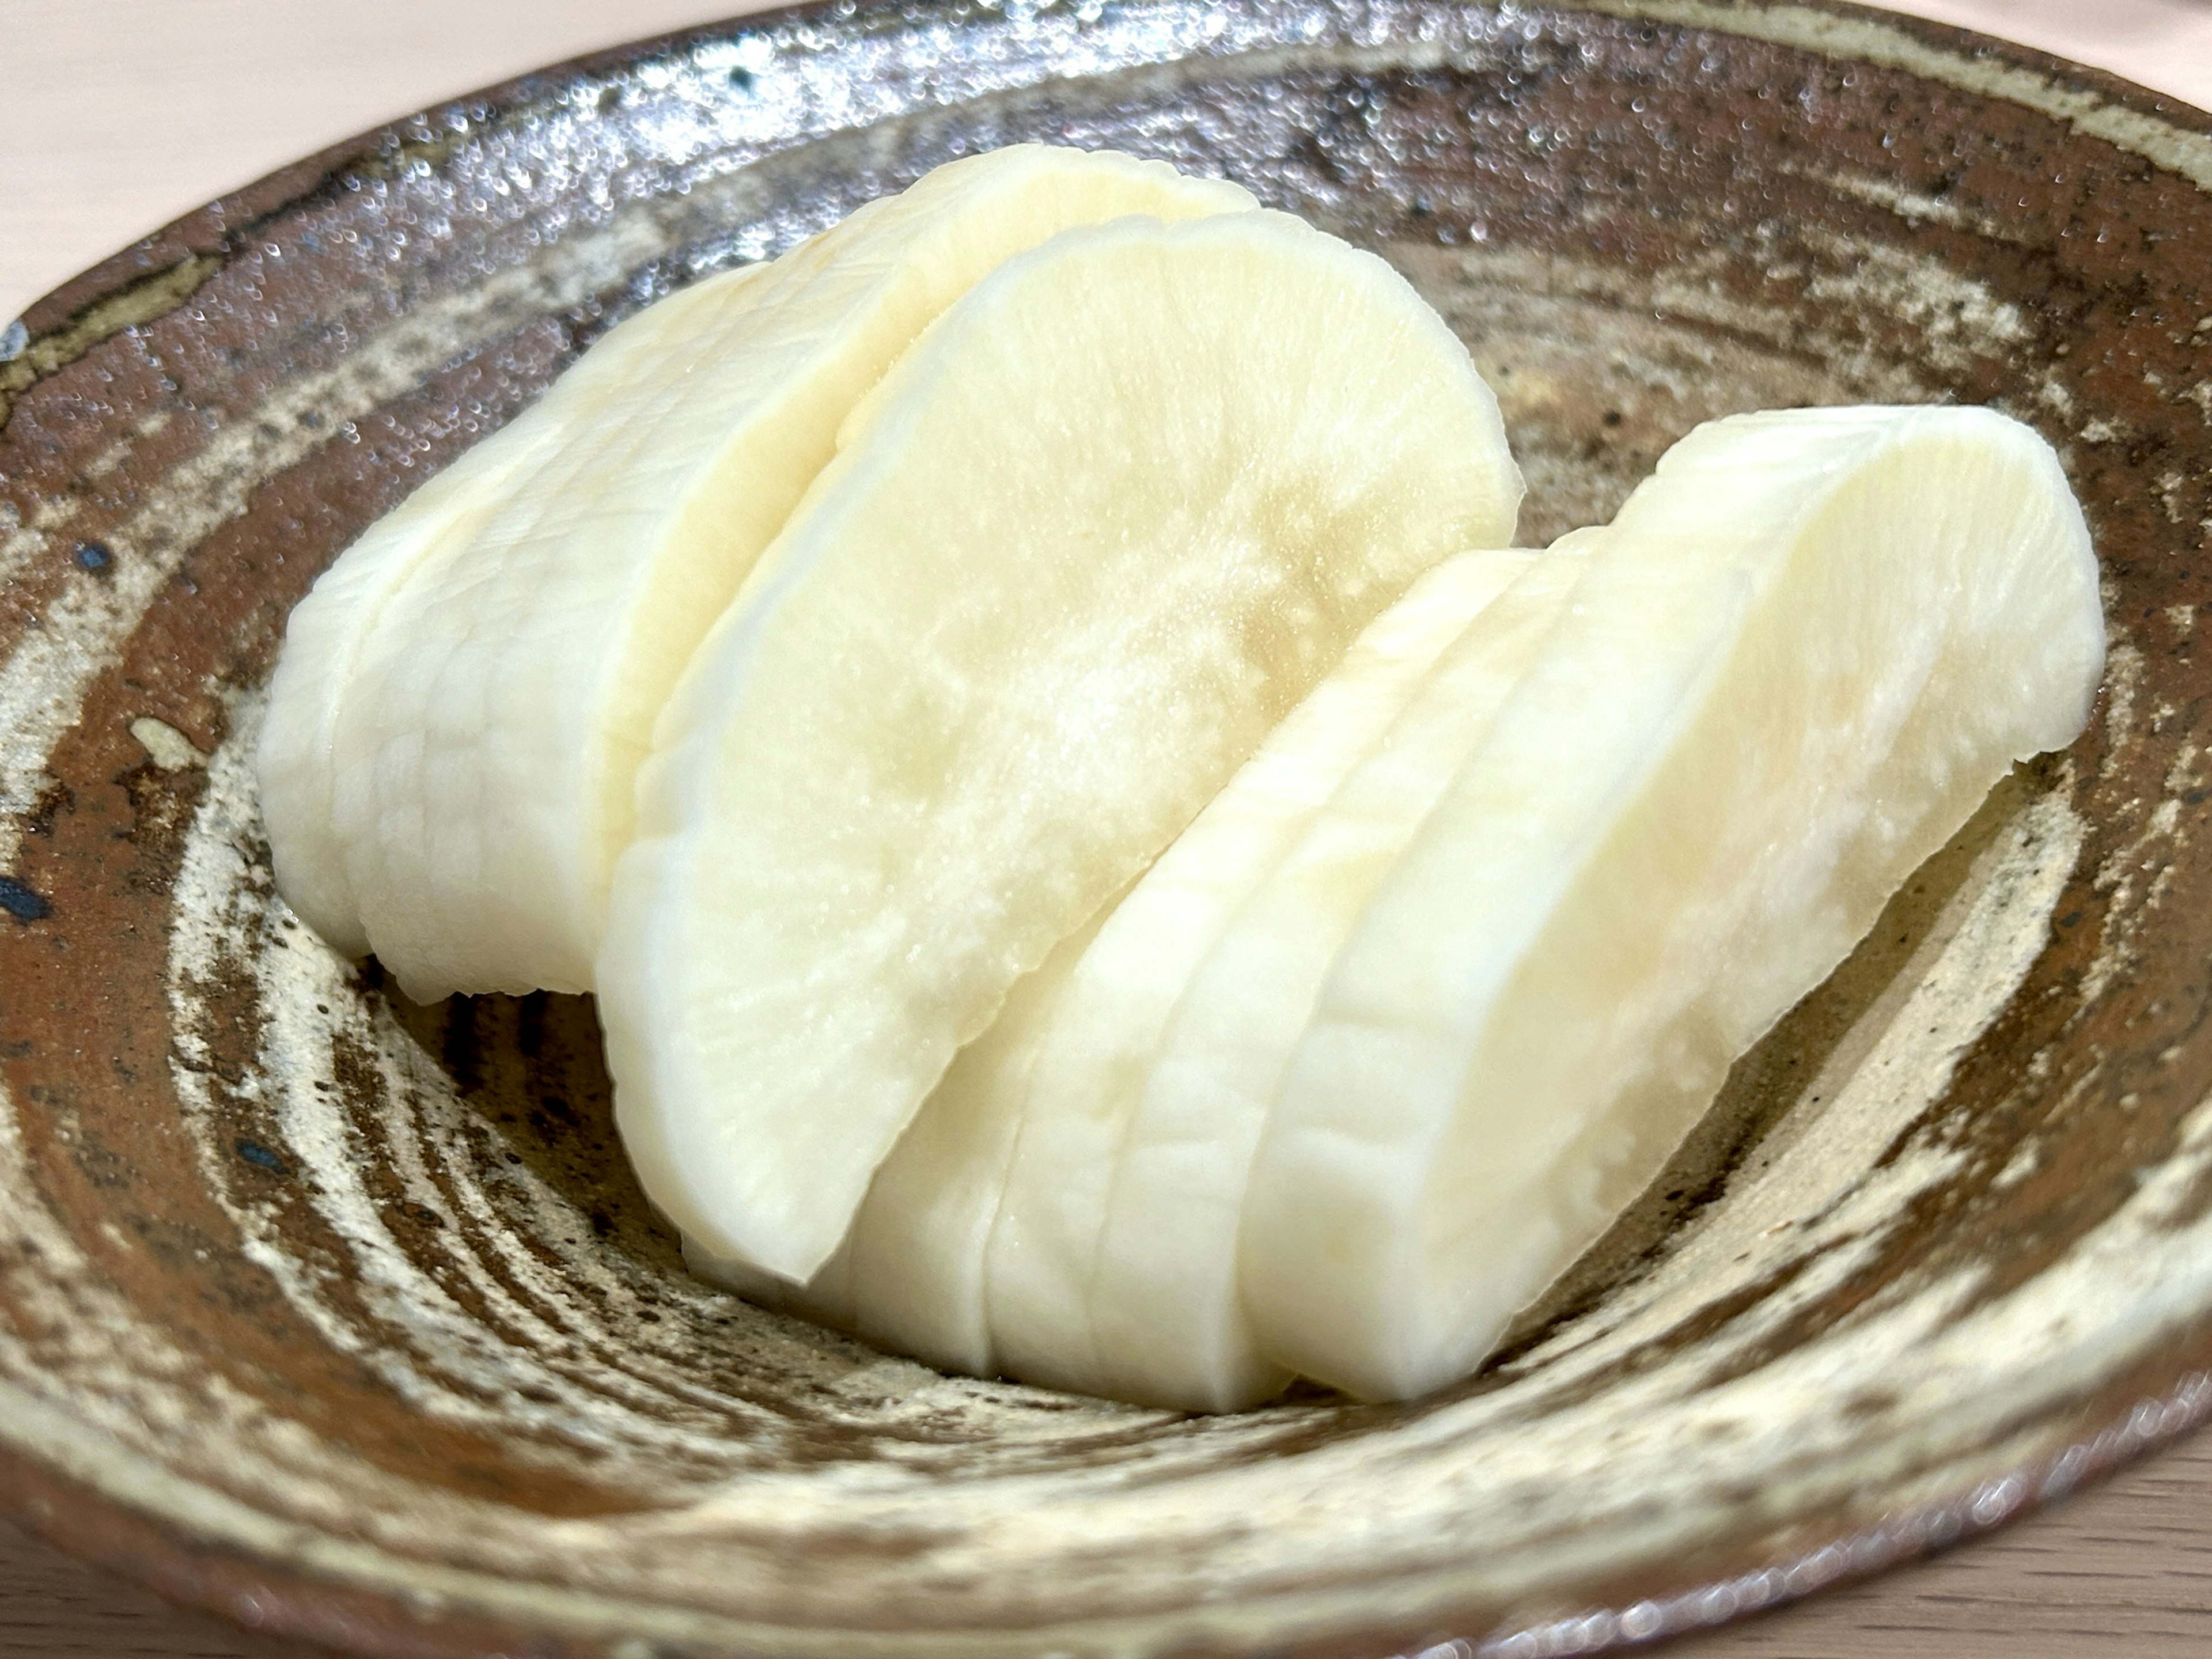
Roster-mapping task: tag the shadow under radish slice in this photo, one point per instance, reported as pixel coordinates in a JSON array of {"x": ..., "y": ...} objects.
[
  {"x": 488, "y": 740},
  {"x": 1105, "y": 525},
  {"x": 1164, "y": 1299},
  {"x": 1802, "y": 655},
  {"x": 1109, "y": 1017}
]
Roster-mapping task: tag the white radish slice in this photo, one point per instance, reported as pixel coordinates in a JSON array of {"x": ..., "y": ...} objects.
[
  {"x": 1101, "y": 528},
  {"x": 488, "y": 741},
  {"x": 1108, "y": 1025},
  {"x": 1806, "y": 649},
  {"x": 323, "y": 636},
  {"x": 1167, "y": 1314},
  {"x": 917, "y": 1247},
  {"x": 910, "y": 1275}
]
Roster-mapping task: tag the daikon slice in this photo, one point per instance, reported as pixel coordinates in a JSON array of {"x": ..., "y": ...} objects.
[
  {"x": 1805, "y": 650},
  {"x": 1097, "y": 532}
]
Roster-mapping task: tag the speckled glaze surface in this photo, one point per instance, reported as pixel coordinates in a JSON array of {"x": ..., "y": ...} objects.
[{"x": 343, "y": 1315}]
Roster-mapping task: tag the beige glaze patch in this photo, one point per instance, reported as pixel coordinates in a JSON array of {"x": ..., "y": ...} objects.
[{"x": 167, "y": 747}]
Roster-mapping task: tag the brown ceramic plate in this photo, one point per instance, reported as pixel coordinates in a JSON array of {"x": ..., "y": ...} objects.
[{"x": 343, "y": 1315}]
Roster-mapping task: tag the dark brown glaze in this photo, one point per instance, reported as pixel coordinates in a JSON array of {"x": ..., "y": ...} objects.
[{"x": 343, "y": 1316}]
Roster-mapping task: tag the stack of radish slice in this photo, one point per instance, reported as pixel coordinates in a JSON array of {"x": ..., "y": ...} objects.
[
  {"x": 457, "y": 719},
  {"x": 1084, "y": 876}
]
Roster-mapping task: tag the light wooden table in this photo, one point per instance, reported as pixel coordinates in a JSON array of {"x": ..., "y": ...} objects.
[{"x": 117, "y": 115}]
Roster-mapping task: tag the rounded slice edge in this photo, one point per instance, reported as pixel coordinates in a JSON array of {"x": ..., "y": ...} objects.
[
  {"x": 490, "y": 737},
  {"x": 1809, "y": 647},
  {"x": 294, "y": 761},
  {"x": 1166, "y": 1303},
  {"x": 1111, "y": 1020},
  {"x": 909, "y": 1276},
  {"x": 1101, "y": 528}
]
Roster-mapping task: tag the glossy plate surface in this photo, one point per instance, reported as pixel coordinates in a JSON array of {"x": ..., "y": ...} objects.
[{"x": 343, "y": 1315}]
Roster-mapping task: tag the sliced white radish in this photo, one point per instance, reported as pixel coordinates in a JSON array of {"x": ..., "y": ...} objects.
[
  {"x": 1803, "y": 653},
  {"x": 1167, "y": 1316},
  {"x": 909, "y": 1276},
  {"x": 917, "y": 1247},
  {"x": 488, "y": 739},
  {"x": 1101, "y": 528},
  {"x": 1108, "y": 1025},
  {"x": 323, "y": 634}
]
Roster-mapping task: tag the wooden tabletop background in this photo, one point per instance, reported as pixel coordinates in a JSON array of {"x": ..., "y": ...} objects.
[{"x": 118, "y": 115}]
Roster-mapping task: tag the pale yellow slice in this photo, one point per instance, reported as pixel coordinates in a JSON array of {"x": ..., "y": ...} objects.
[
  {"x": 1168, "y": 1324},
  {"x": 909, "y": 1276},
  {"x": 489, "y": 733},
  {"x": 502, "y": 475},
  {"x": 1802, "y": 655},
  {"x": 1101, "y": 528},
  {"x": 1111, "y": 1018}
]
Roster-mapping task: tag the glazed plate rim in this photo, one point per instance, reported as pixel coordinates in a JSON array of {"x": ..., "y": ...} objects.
[{"x": 130, "y": 1514}]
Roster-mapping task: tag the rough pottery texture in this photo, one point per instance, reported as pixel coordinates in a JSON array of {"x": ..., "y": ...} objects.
[{"x": 344, "y": 1316}]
